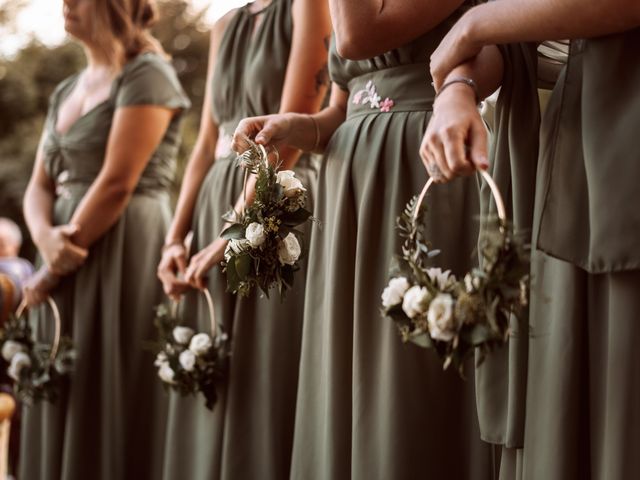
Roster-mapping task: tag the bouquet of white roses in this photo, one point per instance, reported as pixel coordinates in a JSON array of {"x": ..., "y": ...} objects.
[
  {"x": 434, "y": 309},
  {"x": 37, "y": 368},
  {"x": 264, "y": 246},
  {"x": 187, "y": 361}
]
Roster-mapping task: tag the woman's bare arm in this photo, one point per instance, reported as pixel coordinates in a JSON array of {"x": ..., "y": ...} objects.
[{"x": 365, "y": 28}]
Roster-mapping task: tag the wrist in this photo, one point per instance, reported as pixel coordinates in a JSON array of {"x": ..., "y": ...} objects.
[{"x": 40, "y": 233}]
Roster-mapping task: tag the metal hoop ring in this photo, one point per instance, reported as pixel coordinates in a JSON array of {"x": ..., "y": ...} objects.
[
  {"x": 212, "y": 314},
  {"x": 497, "y": 196},
  {"x": 58, "y": 323}
]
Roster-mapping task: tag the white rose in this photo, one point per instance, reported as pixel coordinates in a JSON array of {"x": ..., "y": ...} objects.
[
  {"x": 289, "y": 250},
  {"x": 255, "y": 234},
  {"x": 393, "y": 293},
  {"x": 166, "y": 373},
  {"x": 10, "y": 348},
  {"x": 442, "y": 325},
  {"x": 442, "y": 280},
  {"x": 187, "y": 360},
  {"x": 19, "y": 361},
  {"x": 290, "y": 184},
  {"x": 200, "y": 344},
  {"x": 161, "y": 359},
  {"x": 415, "y": 301},
  {"x": 236, "y": 246},
  {"x": 182, "y": 335}
]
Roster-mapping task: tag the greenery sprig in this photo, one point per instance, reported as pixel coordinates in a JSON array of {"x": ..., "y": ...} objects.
[
  {"x": 36, "y": 375},
  {"x": 454, "y": 317},
  {"x": 264, "y": 248}
]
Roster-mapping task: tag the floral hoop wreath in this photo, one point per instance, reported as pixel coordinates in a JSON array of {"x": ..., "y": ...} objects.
[
  {"x": 36, "y": 367},
  {"x": 435, "y": 310},
  {"x": 264, "y": 247},
  {"x": 191, "y": 362}
]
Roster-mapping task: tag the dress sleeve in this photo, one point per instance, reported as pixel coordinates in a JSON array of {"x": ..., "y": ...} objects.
[{"x": 150, "y": 80}]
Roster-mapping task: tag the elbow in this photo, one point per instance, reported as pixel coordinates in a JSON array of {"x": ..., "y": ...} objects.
[
  {"x": 118, "y": 190},
  {"x": 353, "y": 46}
]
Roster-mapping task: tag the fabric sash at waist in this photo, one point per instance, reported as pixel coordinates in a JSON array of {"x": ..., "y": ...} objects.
[{"x": 406, "y": 88}]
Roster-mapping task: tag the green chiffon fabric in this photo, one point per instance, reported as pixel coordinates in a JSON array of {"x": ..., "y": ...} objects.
[
  {"x": 369, "y": 406},
  {"x": 583, "y": 387},
  {"x": 109, "y": 421},
  {"x": 249, "y": 434}
]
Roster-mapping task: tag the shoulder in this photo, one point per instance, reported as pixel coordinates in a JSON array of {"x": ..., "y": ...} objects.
[
  {"x": 220, "y": 26},
  {"x": 150, "y": 78}
]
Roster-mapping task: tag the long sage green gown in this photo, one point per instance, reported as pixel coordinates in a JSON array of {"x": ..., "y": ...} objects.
[
  {"x": 249, "y": 433},
  {"x": 109, "y": 421},
  {"x": 369, "y": 406},
  {"x": 583, "y": 387}
]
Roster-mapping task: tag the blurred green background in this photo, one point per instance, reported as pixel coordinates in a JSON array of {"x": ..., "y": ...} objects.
[{"x": 28, "y": 78}]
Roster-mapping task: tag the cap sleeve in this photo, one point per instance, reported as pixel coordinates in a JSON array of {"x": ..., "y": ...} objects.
[{"x": 150, "y": 80}]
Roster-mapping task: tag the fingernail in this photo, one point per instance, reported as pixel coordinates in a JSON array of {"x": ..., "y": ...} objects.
[{"x": 260, "y": 139}]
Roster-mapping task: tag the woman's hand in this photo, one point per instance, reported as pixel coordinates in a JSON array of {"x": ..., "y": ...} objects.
[
  {"x": 203, "y": 261},
  {"x": 173, "y": 264},
  {"x": 455, "y": 142},
  {"x": 37, "y": 287},
  {"x": 265, "y": 130},
  {"x": 60, "y": 254},
  {"x": 456, "y": 47}
]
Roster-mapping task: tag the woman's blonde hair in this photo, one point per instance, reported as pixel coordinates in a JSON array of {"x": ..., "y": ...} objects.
[{"x": 121, "y": 29}]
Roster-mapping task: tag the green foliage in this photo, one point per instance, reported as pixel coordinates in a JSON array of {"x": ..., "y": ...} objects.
[
  {"x": 481, "y": 304},
  {"x": 276, "y": 215},
  {"x": 42, "y": 378},
  {"x": 210, "y": 367}
]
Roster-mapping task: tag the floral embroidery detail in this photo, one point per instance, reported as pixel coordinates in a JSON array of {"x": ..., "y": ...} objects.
[
  {"x": 387, "y": 105},
  {"x": 370, "y": 95},
  {"x": 223, "y": 146}
]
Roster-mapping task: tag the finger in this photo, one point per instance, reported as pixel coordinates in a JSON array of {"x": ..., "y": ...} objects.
[
  {"x": 181, "y": 262},
  {"x": 269, "y": 130},
  {"x": 455, "y": 156},
  {"x": 76, "y": 251},
  {"x": 437, "y": 153},
  {"x": 478, "y": 144}
]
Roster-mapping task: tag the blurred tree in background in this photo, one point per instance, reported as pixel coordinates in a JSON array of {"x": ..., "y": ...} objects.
[{"x": 27, "y": 80}]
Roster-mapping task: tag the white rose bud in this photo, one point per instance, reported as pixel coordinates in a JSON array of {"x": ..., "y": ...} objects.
[
  {"x": 255, "y": 234},
  {"x": 394, "y": 292},
  {"x": 290, "y": 184},
  {"x": 187, "y": 360},
  {"x": 442, "y": 280},
  {"x": 415, "y": 301},
  {"x": 166, "y": 373},
  {"x": 161, "y": 359},
  {"x": 182, "y": 335},
  {"x": 289, "y": 250},
  {"x": 10, "y": 348},
  {"x": 19, "y": 361},
  {"x": 200, "y": 344},
  {"x": 440, "y": 319}
]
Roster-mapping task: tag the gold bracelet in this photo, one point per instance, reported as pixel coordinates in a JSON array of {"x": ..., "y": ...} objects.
[{"x": 317, "y": 127}]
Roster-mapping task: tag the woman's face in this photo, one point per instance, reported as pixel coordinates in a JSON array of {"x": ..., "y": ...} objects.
[{"x": 78, "y": 18}]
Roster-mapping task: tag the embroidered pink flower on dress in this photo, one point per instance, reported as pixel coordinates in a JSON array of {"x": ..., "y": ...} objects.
[
  {"x": 387, "y": 105},
  {"x": 370, "y": 95}
]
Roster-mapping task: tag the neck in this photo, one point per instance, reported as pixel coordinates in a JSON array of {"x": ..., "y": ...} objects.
[{"x": 96, "y": 59}]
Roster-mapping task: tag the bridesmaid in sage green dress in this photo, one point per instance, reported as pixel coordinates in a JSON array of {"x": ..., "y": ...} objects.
[
  {"x": 101, "y": 182},
  {"x": 369, "y": 406},
  {"x": 265, "y": 58},
  {"x": 583, "y": 376}
]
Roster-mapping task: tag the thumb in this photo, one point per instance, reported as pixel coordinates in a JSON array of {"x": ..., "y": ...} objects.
[
  {"x": 270, "y": 129},
  {"x": 69, "y": 229},
  {"x": 478, "y": 145}
]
